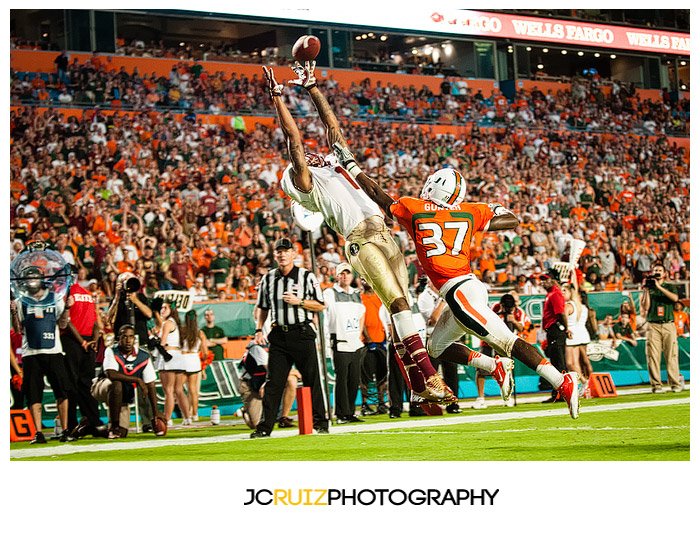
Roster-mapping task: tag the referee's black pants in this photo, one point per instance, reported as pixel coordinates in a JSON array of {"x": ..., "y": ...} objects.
[
  {"x": 397, "y": 385},
  {"x": 347, "y": 367},
  {"x": 80, "y": 366},
  {"x": 297, "y": 346},
  {"x": 555, "y": 352}
]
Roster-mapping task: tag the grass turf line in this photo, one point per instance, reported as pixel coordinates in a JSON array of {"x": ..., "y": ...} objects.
[{"x": 650, "y": 433}]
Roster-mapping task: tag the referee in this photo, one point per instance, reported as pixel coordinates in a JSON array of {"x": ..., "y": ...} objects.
[{"x": 290, "y": 295}]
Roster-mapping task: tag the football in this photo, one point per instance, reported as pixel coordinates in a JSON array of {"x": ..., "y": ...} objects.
[
  {"x": 160, "y": 427},
  {"x": 306, "y": 48}
]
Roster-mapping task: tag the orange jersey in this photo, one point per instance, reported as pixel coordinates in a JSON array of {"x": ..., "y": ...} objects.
[{"x": 442, "y": 236}]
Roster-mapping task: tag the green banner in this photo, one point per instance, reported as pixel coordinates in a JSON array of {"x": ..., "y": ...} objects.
[
  {"x": 235, "y": 318},
  {"x": 602, "y": 302}
]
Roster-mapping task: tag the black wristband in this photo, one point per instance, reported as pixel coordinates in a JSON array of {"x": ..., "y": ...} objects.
[{"x": 258, "y": 330}]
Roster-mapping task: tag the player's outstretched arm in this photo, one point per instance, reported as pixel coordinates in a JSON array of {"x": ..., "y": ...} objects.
[
  {"x": 307, "y": 80},
  {"x": 368, "y": 185},
  {"x": 302, "y": 177},
  {"x": 503, "y": 218}
]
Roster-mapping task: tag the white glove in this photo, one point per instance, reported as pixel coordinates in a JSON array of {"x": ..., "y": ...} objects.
[
  {"x": 498, "y": 209},
  {"x": 346, "y": 159},
  {"x": 305, "y": 73},
  {"x": 273, "y": 87}
]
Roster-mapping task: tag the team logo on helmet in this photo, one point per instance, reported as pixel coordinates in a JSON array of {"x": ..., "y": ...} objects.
[
  {"x": 354, "y": 249},
  {"x": 315, "y": 160},
  {"x": 446, "y": 188}
]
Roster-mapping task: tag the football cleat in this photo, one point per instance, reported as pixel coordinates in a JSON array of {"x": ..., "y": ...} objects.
[
  {"x": 569, "y": 392},
  {"x": 503, "y": 374},
  {"x": 437, "y": 391}
]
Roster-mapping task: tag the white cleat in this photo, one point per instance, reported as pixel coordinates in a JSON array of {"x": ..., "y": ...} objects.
[{"x": 504, "y": 376}]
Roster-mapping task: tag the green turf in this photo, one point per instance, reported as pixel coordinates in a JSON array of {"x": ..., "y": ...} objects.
[{"x": 651, "y": 433}]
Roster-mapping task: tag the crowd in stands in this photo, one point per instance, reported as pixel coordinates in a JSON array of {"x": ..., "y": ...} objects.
[
  {"x": 191, "y": 206},
  {"x": 190, "y": 87}
]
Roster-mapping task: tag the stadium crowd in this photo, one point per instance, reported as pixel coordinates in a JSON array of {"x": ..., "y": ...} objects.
[
  {"x": 586, "y": 107},
  {"x": 189, "y": 205}
]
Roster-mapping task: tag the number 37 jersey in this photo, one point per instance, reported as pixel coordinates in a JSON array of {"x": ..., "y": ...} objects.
[{"x": 442, "y": 236}]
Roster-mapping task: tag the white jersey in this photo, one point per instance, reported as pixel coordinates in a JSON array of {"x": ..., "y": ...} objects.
[{"x": 335, "y": 194}]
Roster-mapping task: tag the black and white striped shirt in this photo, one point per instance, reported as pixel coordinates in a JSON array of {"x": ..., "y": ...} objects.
[{"x": 298, "y": 281}]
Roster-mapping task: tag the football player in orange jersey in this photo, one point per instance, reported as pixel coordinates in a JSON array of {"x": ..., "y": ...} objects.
[
  {"x": 321, "y": 185},
  {"x": 441, "y": 226}
]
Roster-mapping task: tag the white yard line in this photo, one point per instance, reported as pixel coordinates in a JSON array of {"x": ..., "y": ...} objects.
[{"x": 426, "y": 422}]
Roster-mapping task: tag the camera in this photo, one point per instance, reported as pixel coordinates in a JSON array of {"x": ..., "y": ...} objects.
[
  {"x": 650, "y": 282},
  {"x": 129, "y": 281}
]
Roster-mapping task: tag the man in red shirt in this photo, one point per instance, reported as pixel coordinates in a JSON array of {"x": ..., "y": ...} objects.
[
  {"x": 554, "y": 322},
  {"x": 79, "y": 341}
]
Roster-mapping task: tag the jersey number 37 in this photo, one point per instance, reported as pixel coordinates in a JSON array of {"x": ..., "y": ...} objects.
[{"x": 436, "y": 238}]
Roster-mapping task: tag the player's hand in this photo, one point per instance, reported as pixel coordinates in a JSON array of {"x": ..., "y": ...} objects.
[
  {"x": 70, "y": 302},
  {"x": 305, "y": 74},
  {"x": 273, "y": 87},
  {"x": 346, "y": 158}
]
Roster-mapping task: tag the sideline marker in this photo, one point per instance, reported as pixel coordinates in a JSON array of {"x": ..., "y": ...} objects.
[
  {"x": 601, "y": 385},
  {"x": 21, "y": 425},
  {"x": 305, "y": 411}
]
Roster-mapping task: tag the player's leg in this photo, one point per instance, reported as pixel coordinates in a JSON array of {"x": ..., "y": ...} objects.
[
  {"x": 444, "y": 344},
  {"x": 374, "y": 254},
  {"x": 467, "y": 312}
]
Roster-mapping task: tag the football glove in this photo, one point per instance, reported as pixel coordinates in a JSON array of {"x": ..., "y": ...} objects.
[
  {"x": 305, "y": 74},
  {"x": 498, "y": 209},
  {"x": 345, "y": 157},
  {"x": 273, "y": 87}
]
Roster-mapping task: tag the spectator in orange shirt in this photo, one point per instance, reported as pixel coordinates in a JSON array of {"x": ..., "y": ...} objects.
[{"x": 681, "y": 319}]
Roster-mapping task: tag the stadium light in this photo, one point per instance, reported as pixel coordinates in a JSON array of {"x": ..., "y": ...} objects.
[
  {"x": 683, "y": 63},
  {"x": 358, "y": 37},
  {"x": 564, "y": 52},
  {"x": 613, "y": 56},
  {"x": 540, "y": 66},
  {"x": 383, "y": 38},
  {"x": 529, "y": 49},
  {"x": 545, "y": 50},
  {"x": 597, "y": 54},
  {"x": 580, "y": 52}
]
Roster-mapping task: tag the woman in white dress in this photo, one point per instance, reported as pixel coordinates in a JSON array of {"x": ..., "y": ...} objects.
[
  {"x": 194, "y": 341},
  {"x": 577, "y": 315},
  {"x": 172, "y": 371}
]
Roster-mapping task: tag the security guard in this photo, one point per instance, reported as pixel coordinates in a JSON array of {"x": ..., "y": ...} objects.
[
  {"x": 345, "y": 320},
  {"x": 290, "y": 295}
]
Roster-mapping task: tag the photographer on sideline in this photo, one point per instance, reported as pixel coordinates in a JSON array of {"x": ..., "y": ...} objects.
[
  {"x": 657, "y": 305},
  {"x": 130, "y": 306},
  {"x": 517, "y": 321}
]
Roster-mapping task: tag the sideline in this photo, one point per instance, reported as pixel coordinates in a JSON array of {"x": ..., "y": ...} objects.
[{"x": 336, "y": 430}]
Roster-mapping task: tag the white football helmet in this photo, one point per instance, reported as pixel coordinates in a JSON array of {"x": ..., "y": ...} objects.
[{"x": 446, "y": 188}]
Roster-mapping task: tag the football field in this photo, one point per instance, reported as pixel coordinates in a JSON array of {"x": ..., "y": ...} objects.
[{"x": 636, "y": 426}]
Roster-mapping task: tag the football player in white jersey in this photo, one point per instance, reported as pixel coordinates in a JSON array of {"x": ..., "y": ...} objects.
[{"x": 322, "y": 185}]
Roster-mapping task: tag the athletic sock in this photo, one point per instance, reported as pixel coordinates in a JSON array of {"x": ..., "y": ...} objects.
[
  {"x": 481, "y": 361},
  {"x": 415, "y": 349},
  {"x": 411, "y": 374},
  {"x": 549, "y": 372}
]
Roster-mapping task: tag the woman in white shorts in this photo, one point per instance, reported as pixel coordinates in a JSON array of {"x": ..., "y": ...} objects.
[
  {"x": 172, "y": 373},
  {"x": 194, "y": 341},
  {"x": 576, "y": 353}
]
